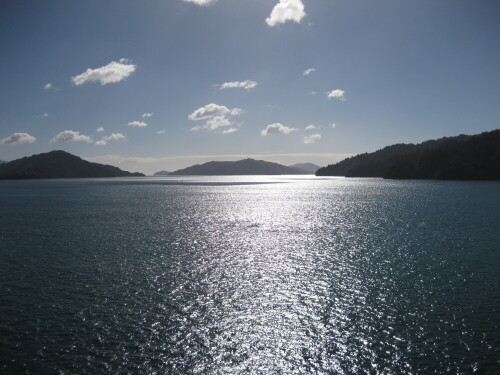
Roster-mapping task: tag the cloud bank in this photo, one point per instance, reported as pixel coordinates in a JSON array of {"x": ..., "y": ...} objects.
[
  {"x": 112, "y": 73},
  {"x": 276, "y": 128},
  {"x": 286, "y": 10},
  {"x": 18, "y": 138}
]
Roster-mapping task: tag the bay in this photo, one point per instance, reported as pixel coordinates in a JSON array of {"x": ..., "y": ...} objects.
[{"x": 249, "y": 275}]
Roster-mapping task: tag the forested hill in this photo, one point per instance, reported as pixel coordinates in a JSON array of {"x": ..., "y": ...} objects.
[
  {"x": 463, "y": 157},
  {"x": 57, "y": 164}
]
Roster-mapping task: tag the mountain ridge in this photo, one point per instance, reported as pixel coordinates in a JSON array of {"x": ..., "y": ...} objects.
[{"x": 245, "y": 167}]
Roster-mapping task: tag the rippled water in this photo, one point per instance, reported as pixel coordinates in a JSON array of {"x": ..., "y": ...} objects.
[{"x": 249, "y": 275}]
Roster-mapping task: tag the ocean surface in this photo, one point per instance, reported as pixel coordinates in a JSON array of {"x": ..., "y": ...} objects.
[{"x": 249, "y": 275}]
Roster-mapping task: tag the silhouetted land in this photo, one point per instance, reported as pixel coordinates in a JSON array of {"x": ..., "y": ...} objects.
[
  {"x": 241, "y": 167},
  {"x": 162, "y": 173},
  {"x": 58, "y": 164},
  {"x": 308, "y": 168},
  {"x": 2, "y": 162},
  {"x": 464, "y": 157}
]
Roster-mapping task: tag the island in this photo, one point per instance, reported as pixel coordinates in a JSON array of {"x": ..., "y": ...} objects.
[
  {"x": 162, "y": 173},
  {"x": 243, "y": 167},
  {"x": 464, "y": 157},
  {"x": 58, "y": 164}
]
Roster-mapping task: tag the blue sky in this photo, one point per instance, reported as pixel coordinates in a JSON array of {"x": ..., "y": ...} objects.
[{"x": 225, "y": 80}]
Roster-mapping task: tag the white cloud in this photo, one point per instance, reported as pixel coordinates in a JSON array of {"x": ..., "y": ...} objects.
[
  {"x": 229, "y": 131},
  {"x": 201, "y": 2},
  {"x": 112, "y": 73},
  {"x": 215, "y": 116},
  {"x": 247, "y": 85},
  {"x": 70, "y": 135},
  {"x": 333, "y": 125},
  {"x": 336, "y": 94},
  {"x": 102, "y": 142},
  {"x": 115, "y": 137},
  {"x": 286, "y": 10},
  {"x": 138, "y": 124},
  {"x": 308, "y": 139},
  {"x": 312, "y": 93},
  {"x": 276, "y": 128},
  {"x": 147, "y": 114},
  {"x": 237, "y": 111},
  {"x": 208, "y": 111},
  {"x": 161, "y": 132},
  {"x": 49, "y": 86},
  {"x": 18, "y": 138},
  {"x": 100, "y": 130},
  {"x": 43, "y": 115},
  {"x": 308, "y": 71},
  {"x": 217, "y": 122},
  {"x": 311, "y": 127}
]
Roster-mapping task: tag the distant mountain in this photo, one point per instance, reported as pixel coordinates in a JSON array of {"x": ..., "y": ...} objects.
[
  {"x": 58, "y": 164},
  {"x": 241, "y": 167},
  {"x": 463, "y": 157},
  {"x": 2, "y": 162},
  {"x": 162, "y": 173},
  {"x": 308, "y": 168}
]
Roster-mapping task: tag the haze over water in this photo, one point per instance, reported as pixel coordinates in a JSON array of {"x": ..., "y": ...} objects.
[{"x": 249, "y": 275}]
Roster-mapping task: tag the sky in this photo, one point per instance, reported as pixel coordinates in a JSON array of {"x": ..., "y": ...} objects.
[{"x": 165, "y": 84}]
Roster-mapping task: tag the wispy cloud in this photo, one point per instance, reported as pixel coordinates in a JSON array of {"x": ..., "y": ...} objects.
[
  {"x": 71, "y": 136},
  {"x": 333, "y": 125},
  {"x": 247, "y": 85},
  {"x": 286, "y": 10},
  {"x": 18, "y": 138},
  {"x": 276, "y": 128},
  {"x": 336, "y": 94},
  {"x": 100, "y": 130},
  {"x": 311, "y": 127},
  {"x": 113, "y": 137},
  {"x": 112, "y": 73},
  {"x": 43, "y": 115},
  {"x": 308, "y": 71},
  {"x": 138, "y": 124},
  {"x": 229, "y": 131},
  {"x": 201, "y": 2},
  {"x": 49, "y": 86},
  {"x": 147, "y": 114},
  {"x": 161, "y": 132},
  {"x": 308, "y": 139}
]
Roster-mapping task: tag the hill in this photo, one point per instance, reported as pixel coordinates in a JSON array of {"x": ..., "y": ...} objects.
[
  {"x": 241, "y": 168},
  {"x": 308, "y": 168},
  {"x": 162, "y": 173},
  {"x": 463, "y": 157},
  {"x": 2, "y": 162},
  {"x": 58, "y": 164}
]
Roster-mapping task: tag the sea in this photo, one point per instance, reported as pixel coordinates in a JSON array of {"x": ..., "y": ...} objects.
[{"x": 249, "y": 275}]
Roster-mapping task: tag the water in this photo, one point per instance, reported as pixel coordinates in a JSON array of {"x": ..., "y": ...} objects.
[{"x": 249, "y": 275}]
